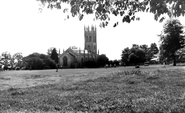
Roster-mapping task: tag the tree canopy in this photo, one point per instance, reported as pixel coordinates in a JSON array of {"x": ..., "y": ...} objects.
[
  {"x": 102, "y": 60},
  {"x": 11, "y": 61},
  {"x": 102, "y": 9},
  {"x": 136, "y": 57},
  {"x": 5, "y": 59},
  {"x": 38, "y": 61},
  {"x": 49, "y": 51},
  {"x": 172, "y": 39},
  {"x": 138, "y": 54}
]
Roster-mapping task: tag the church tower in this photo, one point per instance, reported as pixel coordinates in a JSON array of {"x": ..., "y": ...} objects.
[{"x": 90, "y": 35}]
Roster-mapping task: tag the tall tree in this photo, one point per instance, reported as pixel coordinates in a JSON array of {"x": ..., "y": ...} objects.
[
  {"x": 172, "y": 39},
  {"x": 127, "y": 9},
  {"x": 49, "y": 51},
  {"x": 125, "y": 55},
  {"x": 54, "y": 55}
]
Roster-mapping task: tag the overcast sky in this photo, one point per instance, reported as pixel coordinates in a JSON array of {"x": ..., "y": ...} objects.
[{"x": 24, "y": 29}]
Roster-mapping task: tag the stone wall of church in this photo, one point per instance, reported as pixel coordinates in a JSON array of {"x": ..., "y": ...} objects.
[{"x": 66, "y": 61}]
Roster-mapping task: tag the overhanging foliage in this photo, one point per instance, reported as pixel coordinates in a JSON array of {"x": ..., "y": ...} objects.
[{"x": 102, "y": 9}]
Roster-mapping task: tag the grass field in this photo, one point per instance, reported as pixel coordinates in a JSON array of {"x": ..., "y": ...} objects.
[{"x": 150, "y": 89}]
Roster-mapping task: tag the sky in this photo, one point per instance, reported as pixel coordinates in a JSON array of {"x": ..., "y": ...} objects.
[{"x": 23, "y": 28}]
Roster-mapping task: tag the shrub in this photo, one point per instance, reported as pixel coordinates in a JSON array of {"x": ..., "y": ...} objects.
[{"x": 38, "y": 61}]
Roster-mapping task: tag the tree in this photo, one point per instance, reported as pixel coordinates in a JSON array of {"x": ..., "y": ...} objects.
[
  {"x": 127, "y": 9},
  {"x": 161, "y": 56},
  {"x": 133, "y": 59},
  {"x": 153, "y": 48},
  {"x": 134, "y": 55},
  {"x": 151, "y": 51},
  {"x": 125, "y": 56},
  {"x": 140, "y": 55},
  {"x": 111, "y": 63},
  {"x": 17, "y": 60},
  {"x": 142, "y": 52},
  {"x": 49, "y": 51},
  {"x": 33, "y": 61},
  {"x": 102, "y": 60},
  {"x": 180, "y": 55},
  {"x": 11, "y": 61},
  {"x": 172, "y": 39},
  {"x": 149, "y": 55},
  {"x": 137, "y": 55},
  {"x": 49, "y": 63},
  {"x": 90, "y": 64},
  {"x": 148, "y": 52},
  {"x": 144, "y": 47},
  {"x": 5, "y": 59},
  {"x": 134, "y": 48},
  {"x": 38, "y": 61},
  {"x": 54, "y": 55},
  {"x": 116, "y": 62}
]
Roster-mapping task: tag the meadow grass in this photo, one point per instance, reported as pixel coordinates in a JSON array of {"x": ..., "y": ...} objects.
[{"x": 122, "y": 91}]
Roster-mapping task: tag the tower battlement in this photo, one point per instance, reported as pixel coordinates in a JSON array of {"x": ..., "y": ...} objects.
[{"x": 90, "y": 35}]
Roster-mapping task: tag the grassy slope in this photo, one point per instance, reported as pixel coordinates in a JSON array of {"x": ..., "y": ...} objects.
[{"x": 122, "y": 91}]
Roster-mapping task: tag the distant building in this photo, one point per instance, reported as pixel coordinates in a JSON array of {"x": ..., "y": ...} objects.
[{"x": 75, "y": 57}]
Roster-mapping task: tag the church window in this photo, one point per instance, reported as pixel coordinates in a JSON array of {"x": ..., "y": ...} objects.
[
  {"x": 65, "y": 61},
  {"x": 89, "y": 38}
]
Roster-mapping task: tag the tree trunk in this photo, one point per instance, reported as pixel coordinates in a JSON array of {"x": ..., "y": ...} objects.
[{"x": 174, "y": 60}]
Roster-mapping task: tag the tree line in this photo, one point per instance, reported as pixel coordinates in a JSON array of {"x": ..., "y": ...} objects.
[
  {"x": 40, "y": 61},
  {"x": 32, "y": 61},
  {"x": 102, "y": 61},
  {"x": 138, "y": 54}
]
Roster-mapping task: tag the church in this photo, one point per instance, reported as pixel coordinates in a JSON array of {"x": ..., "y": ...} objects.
[{"x": 74, "y": 57}]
